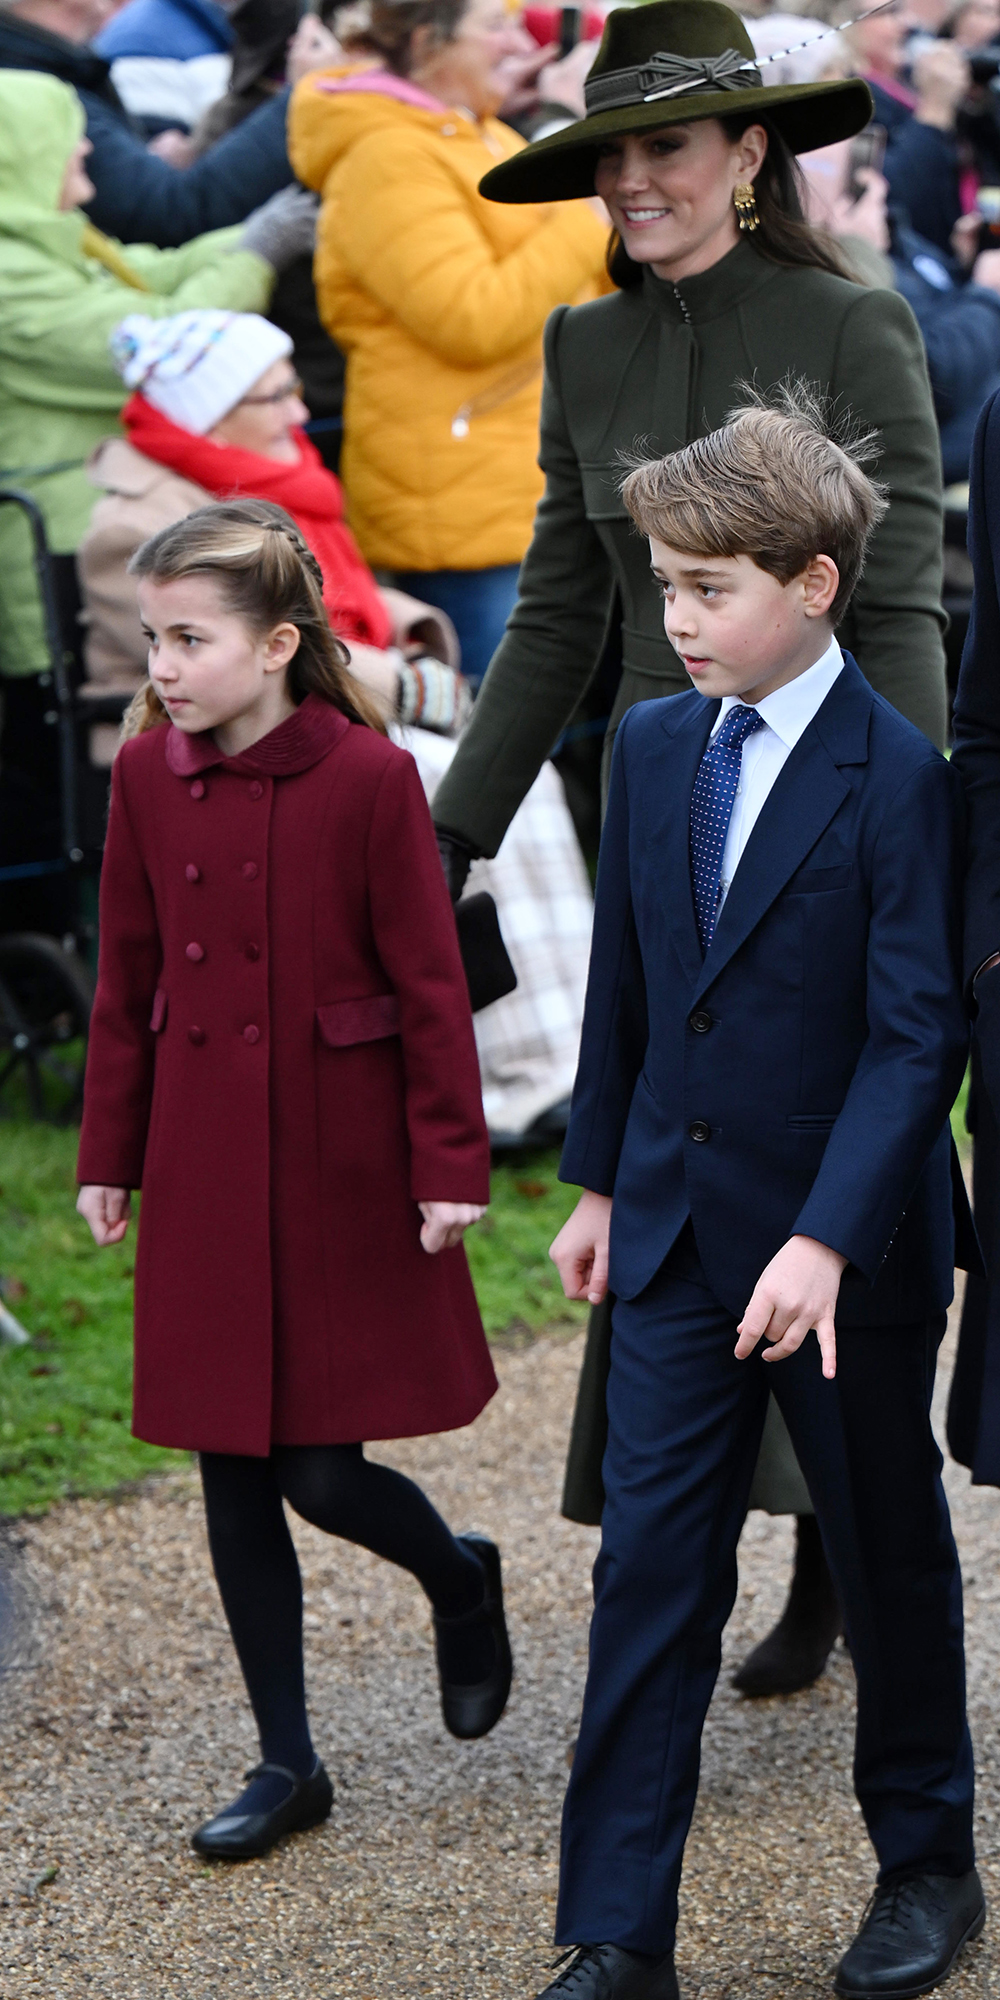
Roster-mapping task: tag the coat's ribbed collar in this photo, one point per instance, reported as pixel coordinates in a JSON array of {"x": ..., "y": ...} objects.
[
  {"x": 297, "y": 743},
  {"x": 707, "y": 294}
]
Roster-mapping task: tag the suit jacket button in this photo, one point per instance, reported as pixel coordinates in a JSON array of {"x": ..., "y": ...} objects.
[
  {"x": 700, "y": 1021},
  {"x": 699, "y": 1131},
  {"x": 256, "y": 789},
  {"x": 250, "y": 871},
  {"x": 251, "y": 1034},
  {"x": 195, "y": 952},
  {"x": 253, "y": 953},
  {"x": 193, "y": 874},
  {"x": 197, "y": 789},
  {"x": 197, "y": 1036}
]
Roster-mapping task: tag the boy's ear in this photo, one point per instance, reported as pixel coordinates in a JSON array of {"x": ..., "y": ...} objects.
[{"x": 821, "y": 582}]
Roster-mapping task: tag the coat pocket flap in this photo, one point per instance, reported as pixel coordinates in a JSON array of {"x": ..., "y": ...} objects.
[
  {"x": 158, "y": 1017},
  {"x": 369, "y": 1019}
]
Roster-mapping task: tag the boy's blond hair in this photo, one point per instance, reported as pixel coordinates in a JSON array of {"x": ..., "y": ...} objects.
[{"x": 773, "y": 484}]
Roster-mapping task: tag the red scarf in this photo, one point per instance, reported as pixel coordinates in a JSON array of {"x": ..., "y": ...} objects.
[{"x": 307, "y": 491}]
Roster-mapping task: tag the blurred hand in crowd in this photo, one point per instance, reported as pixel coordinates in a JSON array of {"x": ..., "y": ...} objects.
[
  {"x": 312, "y": 47},
  {"x": 174, "y": 146},
  {"x": 986, "y": 270},
  {"x": 521, "y": 70},
  {"x": 830, "y": 204},
  {"x": 562, "y": 82},
  {"x": 941, "y": 78}
]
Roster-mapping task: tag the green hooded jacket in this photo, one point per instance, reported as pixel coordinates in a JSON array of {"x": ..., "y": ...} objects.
[{"x": 59, "y": 391}]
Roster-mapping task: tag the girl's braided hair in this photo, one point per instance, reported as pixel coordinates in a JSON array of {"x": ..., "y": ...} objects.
[{"x": 268, "y": 575}]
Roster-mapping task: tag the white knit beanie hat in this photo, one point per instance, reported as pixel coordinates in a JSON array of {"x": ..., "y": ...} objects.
[{"x": 195, "y": 366}]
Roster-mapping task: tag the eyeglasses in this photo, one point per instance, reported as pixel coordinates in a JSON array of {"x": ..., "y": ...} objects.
[{"x": 292, "y": 388}]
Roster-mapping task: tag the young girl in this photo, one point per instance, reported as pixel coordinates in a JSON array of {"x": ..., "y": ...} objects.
[{"x": 282, "y": 1056}]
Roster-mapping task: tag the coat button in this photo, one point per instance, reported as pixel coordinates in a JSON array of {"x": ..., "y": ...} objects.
[
  {"x": 195, "y": 952},
  {"x": 193, "y": 874},
  {"x": 256, "y": 789},
  {"x": 251, "y": 1034},
  {"x": 197, "y": 1036},
  {"x": 252, "y": 952},
  {"x": 250, "y": 871},
  {"x": 699, "y": 1131},
  {"x": 700, "y": 1021},
  {"x": 197, "y": 789}
]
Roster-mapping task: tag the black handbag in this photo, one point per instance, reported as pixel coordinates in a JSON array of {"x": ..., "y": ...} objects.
[{"x": 488, "y": 969}]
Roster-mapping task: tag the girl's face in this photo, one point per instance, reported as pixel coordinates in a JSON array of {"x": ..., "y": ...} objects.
[
  {"x": 670, "y": 193},
  {"x": 210, "y": 668},
  {"x": 263, "y": 420}
]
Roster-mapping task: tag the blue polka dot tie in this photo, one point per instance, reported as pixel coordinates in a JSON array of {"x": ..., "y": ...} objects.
[{"x": 711, "y": 811}]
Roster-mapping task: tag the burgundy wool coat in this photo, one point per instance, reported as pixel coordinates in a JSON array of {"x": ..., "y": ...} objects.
[{"x": 282, "y": 1057}]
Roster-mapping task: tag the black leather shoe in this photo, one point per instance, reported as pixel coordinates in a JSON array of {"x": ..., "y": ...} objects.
[
  {"x": 911, "y": 1935},
  {"x": 474, "y": 1710},
  {"x": 239, "y": 1836},
  {"x": 608, "y": 1972},
  {"x": 794, "y": 1654}
]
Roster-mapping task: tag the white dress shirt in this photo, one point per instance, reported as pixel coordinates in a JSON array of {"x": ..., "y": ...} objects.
[{"x": 786, "y": 713}]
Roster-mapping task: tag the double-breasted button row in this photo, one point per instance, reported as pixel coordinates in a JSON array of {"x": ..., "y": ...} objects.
[
  {"x": 193, "y": 872},
  {"x": 198, "y": 789},
  {"x": 249, "y": 871},
  {"x": 251, "y": 1034},
  {"x": 195, "y": 952}
]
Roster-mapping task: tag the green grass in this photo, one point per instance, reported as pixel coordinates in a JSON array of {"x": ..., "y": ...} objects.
[{"x": 65, "y": 1399}]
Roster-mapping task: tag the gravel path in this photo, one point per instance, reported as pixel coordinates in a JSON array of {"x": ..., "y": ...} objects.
[{"x": 125, "y": 1723}]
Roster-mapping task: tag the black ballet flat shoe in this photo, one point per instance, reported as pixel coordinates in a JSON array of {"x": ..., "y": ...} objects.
[
  {"x": 241, "y": 1836},
  {"x": 474, "y": 1710},
  {"x": 608, "y": 1972},
  {"x": 796, "y": 1651},
  {"x": 911, "y": 1936}
]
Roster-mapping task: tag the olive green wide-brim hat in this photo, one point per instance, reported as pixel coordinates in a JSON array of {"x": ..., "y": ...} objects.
[{"x": 664, "y": 63}]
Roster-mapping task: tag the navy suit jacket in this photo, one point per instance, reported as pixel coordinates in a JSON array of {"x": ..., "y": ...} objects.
[{"x": 797, "y": 1078}]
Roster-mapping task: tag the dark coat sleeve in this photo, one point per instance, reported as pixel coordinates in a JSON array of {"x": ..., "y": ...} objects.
[
  {"x": 921, "y": 168},
  {"x": 961, "y": 331},
  {"x": 141, "y": 199},
  {"x": 977, "y": 705},
  {"x": 417, "y": 943},
  {"x": 910, "y": 1069},
  {"x": 564, "y": 602},
  {"x": 894, "y": 623},
  {"x": 121, "y": 1049},
  {"x": 615, "y": 1021}
]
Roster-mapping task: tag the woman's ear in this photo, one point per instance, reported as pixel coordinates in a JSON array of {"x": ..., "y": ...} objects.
[
  {"x": 280, "y": 648},
  {"x": 751, "y": 152}
]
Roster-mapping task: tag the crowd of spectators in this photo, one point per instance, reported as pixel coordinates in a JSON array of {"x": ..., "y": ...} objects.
[{"x": 176, "y": 173}]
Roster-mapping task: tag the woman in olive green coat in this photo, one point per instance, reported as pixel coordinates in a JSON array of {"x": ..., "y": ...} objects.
[{"x": 721, "y": 283}]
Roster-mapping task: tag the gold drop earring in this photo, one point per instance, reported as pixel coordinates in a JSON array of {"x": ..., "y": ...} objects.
[{"x": 746, "y": 206}]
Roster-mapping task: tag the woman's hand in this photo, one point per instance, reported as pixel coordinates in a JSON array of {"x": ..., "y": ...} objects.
[
  {"x": 580, "y": 1251},
  {"x": 445, "y": 1223},
  {"x": 312, "y": 47},
  {"x": 797, "y": 1291},
  {"x": 107, "y": 1210}
]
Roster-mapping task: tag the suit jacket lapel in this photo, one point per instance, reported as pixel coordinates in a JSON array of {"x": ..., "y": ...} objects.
[
  {"x": 690, "y": 725},
  {"x": 804, "y": 798}
]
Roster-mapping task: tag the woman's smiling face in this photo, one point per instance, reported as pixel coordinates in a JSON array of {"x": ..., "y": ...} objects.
[{"x": 670, "y": 192}]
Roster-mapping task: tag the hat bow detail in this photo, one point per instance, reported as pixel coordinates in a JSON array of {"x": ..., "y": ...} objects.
[{"x": 668, "y": 75}]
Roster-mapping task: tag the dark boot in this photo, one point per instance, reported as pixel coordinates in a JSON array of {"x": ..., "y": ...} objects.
[{"x": 795, "y": 1653}]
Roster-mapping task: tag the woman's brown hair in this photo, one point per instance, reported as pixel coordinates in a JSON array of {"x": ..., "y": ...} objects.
[
  {"x": 387, "y": 29},
  {"x": 783, "y": 234},
  {"x": 268, "y": 575}
]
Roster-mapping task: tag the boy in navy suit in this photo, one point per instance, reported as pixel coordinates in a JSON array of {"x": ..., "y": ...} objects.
[{"x": 773, "y": 1038}]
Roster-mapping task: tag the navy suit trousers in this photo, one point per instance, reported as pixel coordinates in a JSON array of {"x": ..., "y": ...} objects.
[{"x": 685, "y": 1422}]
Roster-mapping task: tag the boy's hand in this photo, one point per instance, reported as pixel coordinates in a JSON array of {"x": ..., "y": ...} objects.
[
  {"x": 107, "y": 1209},
  {"x": 797, "y": 1291},
  {"x": 445, "y": 1223},
  {"x": 580, "y": 1251}
]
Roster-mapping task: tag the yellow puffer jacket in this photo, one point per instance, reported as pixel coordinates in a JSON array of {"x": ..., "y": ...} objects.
[{"x": 438, "y": 299}]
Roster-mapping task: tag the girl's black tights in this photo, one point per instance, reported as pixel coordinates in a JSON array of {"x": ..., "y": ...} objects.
[{"x": 337, "y": 1489}]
